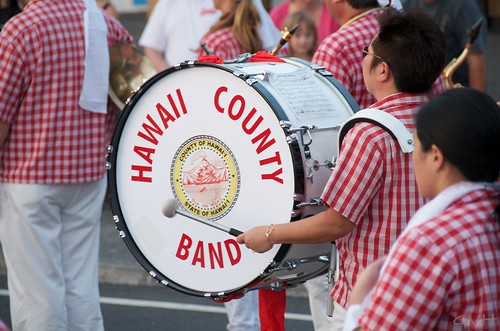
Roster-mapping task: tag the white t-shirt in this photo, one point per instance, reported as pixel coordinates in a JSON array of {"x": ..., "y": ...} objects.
[{"x": 177, "y": 26}]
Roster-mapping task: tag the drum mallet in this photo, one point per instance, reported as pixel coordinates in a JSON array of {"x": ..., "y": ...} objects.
[{"x": 170, "y": 208}]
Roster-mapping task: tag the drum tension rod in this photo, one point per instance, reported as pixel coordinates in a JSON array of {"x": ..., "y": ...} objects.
[
  {"x": 293, "y": 264},
  {"x": 286, "y": 125},
  {"x": 314, "y": 202},
  {"x": 320, "y": 258},
  {"x": 285, "y": 265}
]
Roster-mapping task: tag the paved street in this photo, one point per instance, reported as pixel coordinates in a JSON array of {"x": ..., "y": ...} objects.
[{"x": 157, "y": 308}]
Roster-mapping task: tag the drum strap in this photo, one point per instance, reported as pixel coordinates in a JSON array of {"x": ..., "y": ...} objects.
[{"x": 386, "y": 121}]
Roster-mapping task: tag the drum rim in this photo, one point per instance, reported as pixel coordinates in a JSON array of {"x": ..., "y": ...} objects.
[{"x": 120, "y": 221}]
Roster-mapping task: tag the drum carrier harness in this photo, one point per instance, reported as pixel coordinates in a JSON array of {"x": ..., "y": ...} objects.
[{"x": 386, "y": 121}]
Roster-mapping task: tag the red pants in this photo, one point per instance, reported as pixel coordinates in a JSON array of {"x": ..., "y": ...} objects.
[{"x": 272, "y": 305}]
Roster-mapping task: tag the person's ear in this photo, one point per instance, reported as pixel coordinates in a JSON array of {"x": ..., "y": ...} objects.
[
  {"x": 383, "y": 72},
  {"x": 437, "y": 157}
]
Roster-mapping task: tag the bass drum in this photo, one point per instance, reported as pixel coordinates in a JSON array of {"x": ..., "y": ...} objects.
[{"x": 242, "y": 145}]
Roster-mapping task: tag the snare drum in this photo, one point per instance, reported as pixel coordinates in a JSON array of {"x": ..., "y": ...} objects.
[{"x": 242, "y": 144}]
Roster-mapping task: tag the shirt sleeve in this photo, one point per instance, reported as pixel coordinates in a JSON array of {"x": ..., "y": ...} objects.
[
  {"x": 117, "y": 32},
  {"x": 410, "y": 294},
  {"x": 153, "y": 35}
]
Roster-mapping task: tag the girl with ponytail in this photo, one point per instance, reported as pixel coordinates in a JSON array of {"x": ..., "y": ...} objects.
[{"x": 244, "y": 27}]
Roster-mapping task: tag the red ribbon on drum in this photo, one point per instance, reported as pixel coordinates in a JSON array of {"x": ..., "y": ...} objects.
[
  {"x": 263, "y": 56},
  {"x": 211, "y": 59}
]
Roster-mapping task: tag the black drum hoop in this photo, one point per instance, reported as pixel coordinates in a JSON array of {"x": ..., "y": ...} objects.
[{"x": 120, "y": 220}]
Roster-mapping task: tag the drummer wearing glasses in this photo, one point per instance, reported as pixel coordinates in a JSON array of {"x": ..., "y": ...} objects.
[{"x": 372, "y": 192}]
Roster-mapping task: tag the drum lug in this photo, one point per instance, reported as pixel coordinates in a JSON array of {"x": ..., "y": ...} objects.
[
  {"x": 276, "y": 286},
  {"x": 321, "y": 70},
  {"x": 285, "y": 125},
  {"x": 109, "y": 151},
  {"x": 131, "y": 95},
  {"x": 295, "y": 213},
  {"x": 299, "y": 197},
  {"x": 243, "y": 57},
  {"x": 251, "y": 81},
  {"x": 291, "y": 139}
]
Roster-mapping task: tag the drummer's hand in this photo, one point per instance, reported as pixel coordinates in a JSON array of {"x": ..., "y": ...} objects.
[{"x": 255, "y": 239}]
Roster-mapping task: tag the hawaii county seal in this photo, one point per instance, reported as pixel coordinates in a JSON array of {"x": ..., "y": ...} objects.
[{"x": 205, "y": 177}]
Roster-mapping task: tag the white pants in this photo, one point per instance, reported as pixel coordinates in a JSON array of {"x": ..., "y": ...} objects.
[
  {"x": 50, "y": 239},
  {"x": 243, "y": 313},
  {"x": 317, "y": 291},
  {"x": 338, "y": 317}
]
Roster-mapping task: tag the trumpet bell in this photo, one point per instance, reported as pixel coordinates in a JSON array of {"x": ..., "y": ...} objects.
[{"x": 129, "y": 69}]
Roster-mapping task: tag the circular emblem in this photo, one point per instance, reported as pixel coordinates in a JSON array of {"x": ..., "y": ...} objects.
[{"x": 205, "y": 177}]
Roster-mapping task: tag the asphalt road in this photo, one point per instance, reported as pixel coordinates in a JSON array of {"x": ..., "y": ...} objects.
[{"x": 137, "y": 308}]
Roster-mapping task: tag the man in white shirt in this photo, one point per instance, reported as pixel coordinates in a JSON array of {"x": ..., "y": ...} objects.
[{"x": 174, "y": 30}]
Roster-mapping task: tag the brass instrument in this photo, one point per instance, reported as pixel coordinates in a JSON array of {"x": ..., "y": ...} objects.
[
  {"x": 285, "y": 37},
  {"x": 456, "y": 62},
  {"x": 129, "y": 69}
]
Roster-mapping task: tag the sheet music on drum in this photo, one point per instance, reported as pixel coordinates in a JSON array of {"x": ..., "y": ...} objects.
[{"x": 306, "y": 98}]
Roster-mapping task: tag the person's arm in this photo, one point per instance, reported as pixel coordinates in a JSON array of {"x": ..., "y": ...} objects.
[
  {"x": 477, "y": 71},
  {"x": 366, "y": 281},
  {"x": 4, "y": 129},
  {"x": 364, "y": 285},
  {"x": 320, "y": 228},
  {"x": 156, "y": 57},
  {"x": 108, "y": 7}
]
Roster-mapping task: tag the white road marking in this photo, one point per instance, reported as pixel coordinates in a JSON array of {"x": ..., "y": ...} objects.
[{"x": 174, "y": 306}]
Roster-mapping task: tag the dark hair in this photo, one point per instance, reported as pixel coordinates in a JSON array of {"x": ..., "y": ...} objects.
[
  {"x": 363, "y": 4},
  {"x": 465, "y": 125},
  {"x": 413, "y": 46}
]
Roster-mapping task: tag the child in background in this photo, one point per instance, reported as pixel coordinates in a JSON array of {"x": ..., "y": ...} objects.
[{"x": 304, "y": 41}]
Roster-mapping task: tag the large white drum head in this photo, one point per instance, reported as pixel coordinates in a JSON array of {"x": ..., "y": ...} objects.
[{"x": 205, "y": 137}]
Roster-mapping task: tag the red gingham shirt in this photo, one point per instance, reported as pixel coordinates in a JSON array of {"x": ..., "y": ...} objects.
[
  {"x": 51, "y": 139},
  {"x": 374, "y": 186},
  {"x": 341, "y": 53},
  {"x": 445, "y": 273},
  {"x": 222, "y": 43}
]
